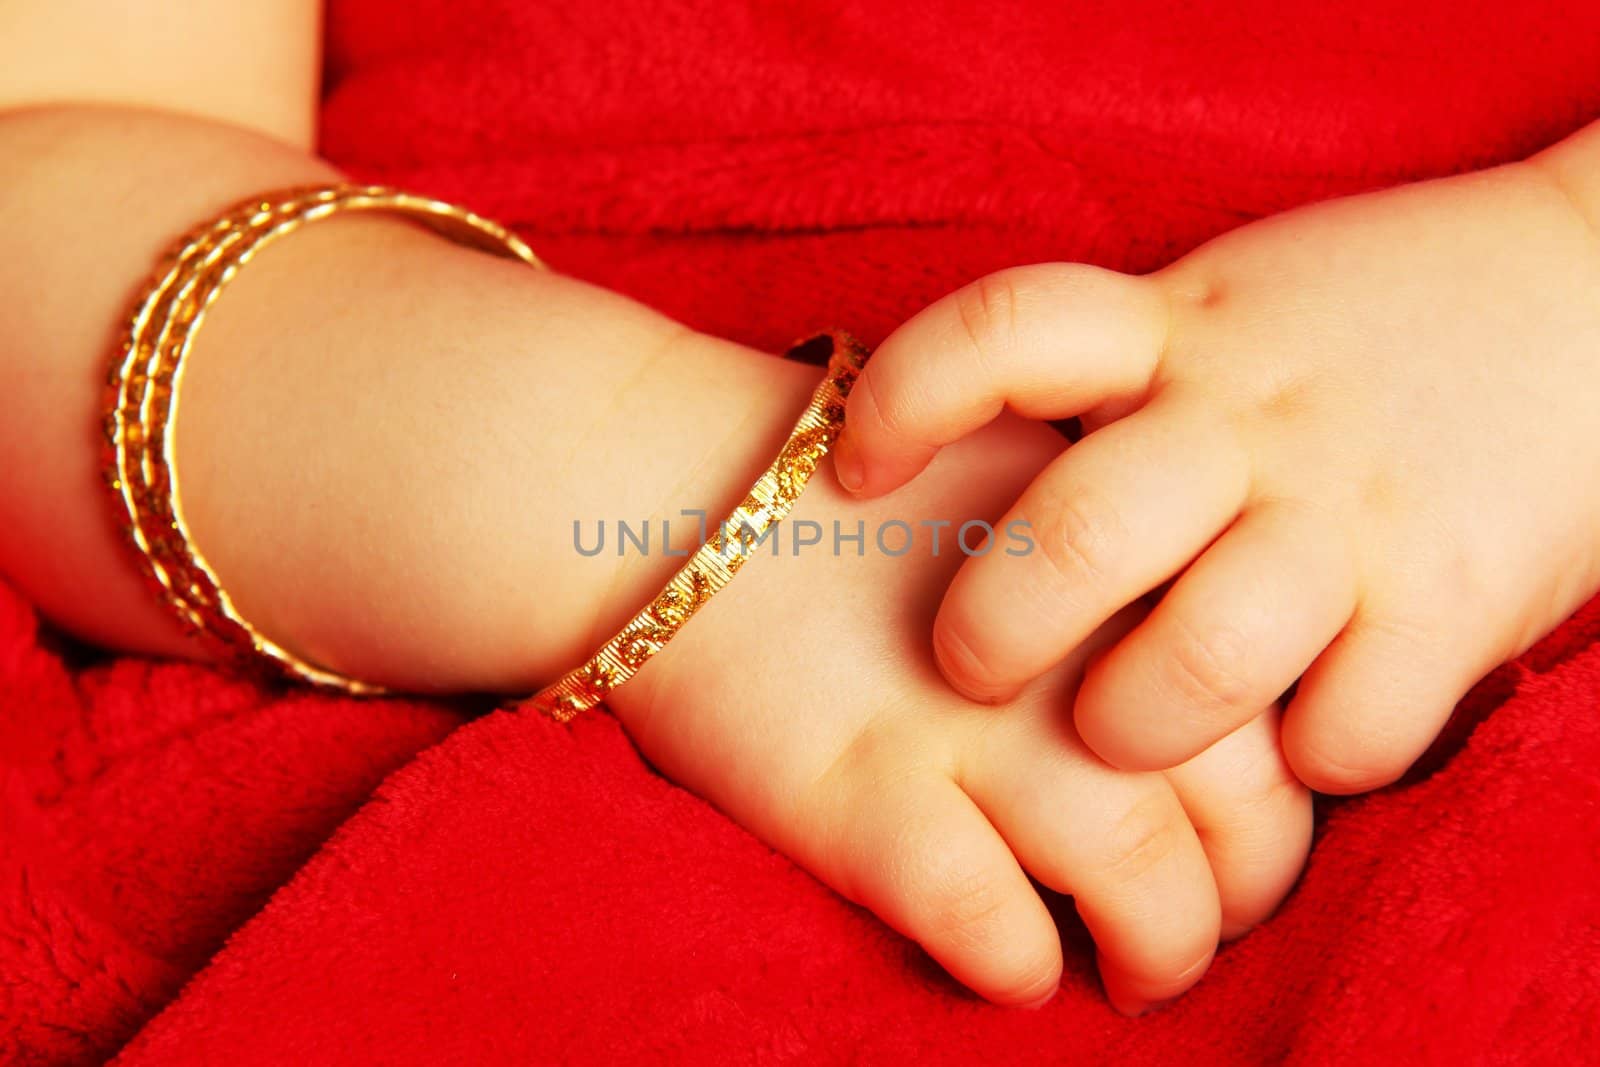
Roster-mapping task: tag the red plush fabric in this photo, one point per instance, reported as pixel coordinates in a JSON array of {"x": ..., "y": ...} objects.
[{"x": 194, "y": 869}]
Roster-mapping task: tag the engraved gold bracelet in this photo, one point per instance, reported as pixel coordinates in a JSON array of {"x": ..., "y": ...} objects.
[
  {"x": 715, "y": 562},
  {"x": 145, "y": 379}
]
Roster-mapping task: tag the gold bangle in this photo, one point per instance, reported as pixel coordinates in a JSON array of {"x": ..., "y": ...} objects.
[
  {"x": 146, "y": 375},
  {"x": 715, "y": 562}
]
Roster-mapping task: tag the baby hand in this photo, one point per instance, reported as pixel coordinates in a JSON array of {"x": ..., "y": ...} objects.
[
  {"x": 1363, "y": 437},
  {"x": 801, "y": 702}
]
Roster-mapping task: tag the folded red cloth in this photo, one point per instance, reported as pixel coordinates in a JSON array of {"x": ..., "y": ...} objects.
[{"x": 211, "y": 870}]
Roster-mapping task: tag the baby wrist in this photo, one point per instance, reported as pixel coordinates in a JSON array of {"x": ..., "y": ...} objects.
[{"x": 725, "y": 549}]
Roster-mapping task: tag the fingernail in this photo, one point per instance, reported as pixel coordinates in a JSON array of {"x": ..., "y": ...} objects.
[{"x": 847, "y": 465}]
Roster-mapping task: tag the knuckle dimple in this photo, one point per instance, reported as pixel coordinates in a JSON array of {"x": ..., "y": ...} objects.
[
  {"x": 1208, "y": 666},
  {"x": 1144, "y": 840},
  {"x": 987, "y": 313},
  {"x": 1281, "y": 401},
  {"x": 879, "y": 407}
]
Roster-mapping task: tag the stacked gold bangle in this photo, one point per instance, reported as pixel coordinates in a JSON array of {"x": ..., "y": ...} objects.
[
  {"x": 147, "y": 375},
  {"x": 142, "y": 408}
]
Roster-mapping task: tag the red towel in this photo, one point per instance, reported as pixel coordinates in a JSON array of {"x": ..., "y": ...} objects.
[{"x": 212, "y": 871}]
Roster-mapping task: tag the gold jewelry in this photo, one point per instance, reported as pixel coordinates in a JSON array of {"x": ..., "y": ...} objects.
[
  {"x": 716, "y": 561},
  {"x": 147, "y": 374}
]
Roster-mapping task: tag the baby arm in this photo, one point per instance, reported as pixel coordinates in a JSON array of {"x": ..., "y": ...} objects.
[{"x": 385, "y": 438}]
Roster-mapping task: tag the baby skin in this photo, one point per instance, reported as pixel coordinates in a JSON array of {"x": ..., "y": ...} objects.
[
  {"x": 1360, "y": 439},
  {"x": 803, "y": 702}
]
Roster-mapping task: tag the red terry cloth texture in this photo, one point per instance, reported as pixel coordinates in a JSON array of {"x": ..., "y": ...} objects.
[{"x": 195, "y": 869}]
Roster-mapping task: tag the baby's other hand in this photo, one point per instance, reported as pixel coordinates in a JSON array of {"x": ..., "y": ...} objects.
[
  {"x": 1363, "y": 436},
  {"x": 802, "y": 701}
]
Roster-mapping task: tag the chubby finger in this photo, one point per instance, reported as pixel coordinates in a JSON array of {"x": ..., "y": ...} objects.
[
  {"x": 1120, "y": 844},
  {"x": 1051, "y": 340},
  {"x": 1147, "y": 895},
  {"x": 1253, "y": 817},
  {"x": 921, "y": 855},
  {"x": 1110, "y": 519},
  {"x": 1374, "y": 701},
  {"x": 1233, "y": 633}
]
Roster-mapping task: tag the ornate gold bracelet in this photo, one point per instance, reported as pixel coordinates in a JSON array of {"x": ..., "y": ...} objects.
[
  {"x": 715, "y": 562},
  {"x": 146, "y": 377}
]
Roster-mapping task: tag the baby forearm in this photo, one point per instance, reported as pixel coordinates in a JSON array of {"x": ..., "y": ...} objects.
[{"x": 385, "y": 439}]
